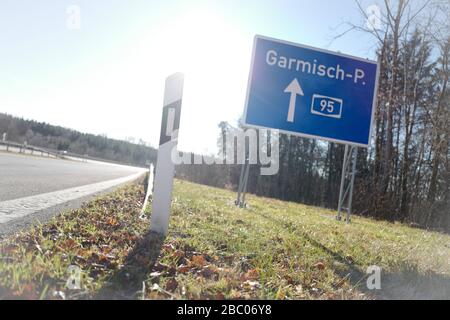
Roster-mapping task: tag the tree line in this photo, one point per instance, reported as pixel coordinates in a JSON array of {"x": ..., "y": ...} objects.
[
  {"x": 44, "y": 135},
  {"x": 405, "y": 174}
]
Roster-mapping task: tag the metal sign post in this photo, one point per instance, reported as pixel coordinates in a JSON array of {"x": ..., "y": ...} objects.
[
  {"x": 347, "y": 181},
  {"x": 165, "y": 167},
  {"x": 241, "y": 184},
  {"x": 242, "y": 188}
]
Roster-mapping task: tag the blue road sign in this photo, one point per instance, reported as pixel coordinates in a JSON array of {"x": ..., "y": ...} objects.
[{"x": 311, "y": 92}]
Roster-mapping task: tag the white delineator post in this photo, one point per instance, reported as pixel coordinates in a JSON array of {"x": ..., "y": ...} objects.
[{"x": 165, "y": 167}]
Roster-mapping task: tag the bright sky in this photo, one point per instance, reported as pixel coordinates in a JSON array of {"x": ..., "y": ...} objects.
[{"x": 108, "y": 76}]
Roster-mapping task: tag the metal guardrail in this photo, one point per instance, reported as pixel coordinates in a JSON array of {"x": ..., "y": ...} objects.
[
  {"x": 58, "y": 154},
  {"x": 33, "y": 149},
  {"x": 87, "y": 157}
]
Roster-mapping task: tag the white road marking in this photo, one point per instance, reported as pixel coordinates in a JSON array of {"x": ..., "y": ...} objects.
[{"x": 18, "y": 208}]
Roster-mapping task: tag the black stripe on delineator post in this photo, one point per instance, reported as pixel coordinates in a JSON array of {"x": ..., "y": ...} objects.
[{"x": 176, "y": 107}]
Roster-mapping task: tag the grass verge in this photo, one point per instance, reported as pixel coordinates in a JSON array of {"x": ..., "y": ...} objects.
[
  {"x": 272, "y": 250},
  {"x": 34, "y": 264}
]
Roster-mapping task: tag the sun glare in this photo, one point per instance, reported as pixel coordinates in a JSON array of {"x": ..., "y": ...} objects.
[
  {"x": 214, "y": 56},
  {"x": 206, "y": 47}
]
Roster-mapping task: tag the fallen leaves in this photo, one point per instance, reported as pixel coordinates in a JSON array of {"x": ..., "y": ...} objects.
[
  {"x": 319, "y": 265},
  {"x": 183, "y": 269},
  {"x": 171, "y": 285},
  {"x": 160, "y": 267},
  {"x": 112, "y": 221},
  {"x": 162, "y": 270},
  {"x": 67, "y": 244},
  {"x": 198, "y": 261},
  {"x": 219, "y": 296},
  {"x": 209, "y": 271},
  {"x": 251, "y": 274}
]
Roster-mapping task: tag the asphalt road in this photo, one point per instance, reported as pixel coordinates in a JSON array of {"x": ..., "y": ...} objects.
[{"x": 35, "y": 188}]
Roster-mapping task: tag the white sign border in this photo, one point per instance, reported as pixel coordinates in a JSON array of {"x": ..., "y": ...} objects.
[{"x": 304, "y": 135}]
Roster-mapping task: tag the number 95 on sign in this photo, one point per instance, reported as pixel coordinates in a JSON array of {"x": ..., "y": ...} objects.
[{"x": 326, "y": 106}]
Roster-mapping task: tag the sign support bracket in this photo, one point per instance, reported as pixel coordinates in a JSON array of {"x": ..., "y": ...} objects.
[{"x": 347, "y": 181}]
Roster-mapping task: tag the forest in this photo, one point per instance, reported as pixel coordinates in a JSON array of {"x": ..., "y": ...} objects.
[
  {"x": 48, "y": 136},
  {"x": 405, "y": 174}
]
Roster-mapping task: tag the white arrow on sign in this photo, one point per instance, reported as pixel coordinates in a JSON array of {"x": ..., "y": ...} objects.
[{"x": 294, "y": 89}]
